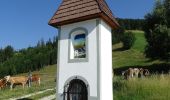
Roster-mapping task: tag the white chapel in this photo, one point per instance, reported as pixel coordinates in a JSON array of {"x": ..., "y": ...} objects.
[{"x": 84, "y": 69}]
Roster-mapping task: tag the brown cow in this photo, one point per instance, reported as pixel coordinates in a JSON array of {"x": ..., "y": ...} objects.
[
  {"x": 2, "y": 83},
  {"x": 16, "y": 80},
  {"x": 128, "y": 73},
  {"x": 36, "y": 78}
]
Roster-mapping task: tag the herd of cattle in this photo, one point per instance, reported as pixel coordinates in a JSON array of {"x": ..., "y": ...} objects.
[
  {"x": 18, "y": 80},
  {"x": 135, "y": 72},
  {"x": 23, "y": 80}
]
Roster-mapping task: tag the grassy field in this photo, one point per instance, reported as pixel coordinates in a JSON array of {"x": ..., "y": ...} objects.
[
  {"x": 47, "y": 75},
  {"x": 134, "y": 56},
  {"x": 155, "y": 87}
]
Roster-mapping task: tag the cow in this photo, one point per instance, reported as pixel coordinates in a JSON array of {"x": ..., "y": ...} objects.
[
  {"x": 2, "y": 83},
  {"x": 144, "y": 72},
  {"x": 130, "y": 73},
  {"x": 136, "y": 72},
  {"x": 127, "y": 74},
  {"x": 20, "y": 80},
  {"x": 35, "y": 78}
]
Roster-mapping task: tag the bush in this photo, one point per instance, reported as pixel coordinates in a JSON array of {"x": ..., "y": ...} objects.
[
  {"x": 117, "y": 35},
  {"x": 158, "y": 42},
  {"x": 157, "y": 31},
  {"x": 128, "y": 40}
]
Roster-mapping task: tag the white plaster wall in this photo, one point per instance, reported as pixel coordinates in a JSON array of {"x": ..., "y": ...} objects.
[
  {"x": 106, "y": 92},
  {"x": 88, "y": 70}
]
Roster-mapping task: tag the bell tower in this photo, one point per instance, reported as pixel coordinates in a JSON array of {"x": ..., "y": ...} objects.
[{"x": 84, "y": 69}]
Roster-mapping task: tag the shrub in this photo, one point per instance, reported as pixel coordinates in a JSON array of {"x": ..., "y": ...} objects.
[
  {"x": 158, "y": 42},
  {"x": 128, "y": 40},
  {"x": 117, "y": 35},
  {"x": 157, "y": 31}
]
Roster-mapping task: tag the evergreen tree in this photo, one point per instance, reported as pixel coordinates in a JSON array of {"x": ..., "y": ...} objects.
[
  {"x": 8, "y": 52},
  {"x": 157, "y": 32}
]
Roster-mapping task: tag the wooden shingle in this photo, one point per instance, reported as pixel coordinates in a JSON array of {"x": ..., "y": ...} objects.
[{"x": 71, "y": 11}]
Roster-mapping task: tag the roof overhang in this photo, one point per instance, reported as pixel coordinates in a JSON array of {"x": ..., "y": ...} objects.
[
  {"x": 113, "y": 23},
  {"x": 73, "y": 11}
]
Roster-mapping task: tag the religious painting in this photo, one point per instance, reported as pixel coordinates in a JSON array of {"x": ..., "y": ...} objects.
[{"x": 79, "y": 46}]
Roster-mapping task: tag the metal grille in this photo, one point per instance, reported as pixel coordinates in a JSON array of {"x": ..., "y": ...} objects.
[{"x": 75, "y": 90}]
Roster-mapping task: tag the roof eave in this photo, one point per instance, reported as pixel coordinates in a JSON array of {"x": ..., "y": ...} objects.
[
  {"x": 113, "y": 23},
  {"x": 70, "y": 21}
]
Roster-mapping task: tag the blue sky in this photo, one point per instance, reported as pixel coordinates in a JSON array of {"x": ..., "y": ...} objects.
[{"x": 24, "y": 22}]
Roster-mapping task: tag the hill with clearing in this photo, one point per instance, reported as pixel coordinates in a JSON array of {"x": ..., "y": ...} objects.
[
  {"x": 135, "y": 57},
  {"x": 154, "y": 87}
]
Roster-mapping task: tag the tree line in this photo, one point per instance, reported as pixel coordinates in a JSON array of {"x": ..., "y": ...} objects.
[
  {"x": 131, "y": 24},
  {"x": 30, "y": 59}
]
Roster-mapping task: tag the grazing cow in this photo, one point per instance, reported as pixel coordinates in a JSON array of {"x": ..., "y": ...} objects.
[
  {"x": 36, "y": 78},
  {"x": 144, "y": 72},
  {"x": 125, "y": 74},
  {"x": 136, "y": 72},
  {"x": 2, "y": 83},
  {"x": 128, "y": 73},
  {"x": 20, "y": 80}
]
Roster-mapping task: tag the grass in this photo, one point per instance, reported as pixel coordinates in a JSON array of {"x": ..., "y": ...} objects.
[
  {"x": 152, "y": 88},
  {"x": 134, "y": 56},
  {"x": 140, "y": 42},
  {"x": 156, "y": 87},
  {"x": 128, "y": 58},
  {"x": 131, "y": 57},
  {"x": 36, "y": 97},
  {"x": 47, "y": 75}
]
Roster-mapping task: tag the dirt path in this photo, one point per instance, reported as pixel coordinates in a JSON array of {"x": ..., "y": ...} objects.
[
  {"x": 49, "y": 97},
  {"x": 32, "y": 94}
]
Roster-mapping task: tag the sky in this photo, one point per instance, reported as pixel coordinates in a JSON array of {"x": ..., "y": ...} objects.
[{"x": 24, "y": 22}]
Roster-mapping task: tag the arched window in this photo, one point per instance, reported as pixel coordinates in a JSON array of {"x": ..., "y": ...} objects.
[
  {"x": 76, "y": 90},
  {"x": 78, "y": 44}
]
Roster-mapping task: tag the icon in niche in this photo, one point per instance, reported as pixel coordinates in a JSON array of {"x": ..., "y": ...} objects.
[{"x": 79, "y": 46}]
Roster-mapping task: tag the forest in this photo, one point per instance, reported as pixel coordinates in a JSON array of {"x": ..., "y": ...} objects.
[
  {"x": 131, "y": 24},
  {"x": 28, "y": 59}
]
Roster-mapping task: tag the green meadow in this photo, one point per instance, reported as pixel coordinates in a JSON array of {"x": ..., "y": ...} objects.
[
  {"x": 154, "y": 87},
  {"x": 47, "y": 75}
]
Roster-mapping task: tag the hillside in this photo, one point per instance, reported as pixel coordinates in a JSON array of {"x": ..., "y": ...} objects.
[
  {"x": 135, "y": 57},
  {"x": 154, "y": 87}
]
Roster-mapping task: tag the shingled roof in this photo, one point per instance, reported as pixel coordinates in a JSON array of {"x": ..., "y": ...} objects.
[{"x": 71, "y": 11}]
